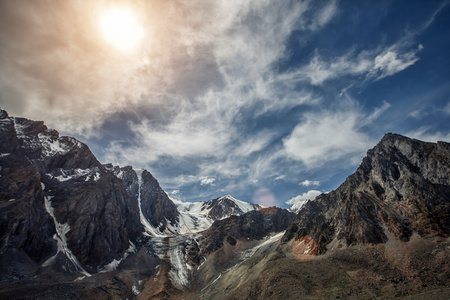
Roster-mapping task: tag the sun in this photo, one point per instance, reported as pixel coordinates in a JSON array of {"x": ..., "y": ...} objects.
[{"x": 120, "y": 28}]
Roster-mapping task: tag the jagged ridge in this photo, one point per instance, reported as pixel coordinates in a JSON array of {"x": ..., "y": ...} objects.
[
  {"x": 49, "y": 182},
  {"x": 400, "y": 188}
]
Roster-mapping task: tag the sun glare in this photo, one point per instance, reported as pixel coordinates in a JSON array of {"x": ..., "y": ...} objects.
[{"x": 119, "y": 28}]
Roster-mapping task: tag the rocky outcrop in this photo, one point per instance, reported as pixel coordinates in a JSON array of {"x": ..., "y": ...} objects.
[
  {"x": 56, "y": 197},
  {"x": 226, "y": 206},
  {"x": 158, "y": 213},
  {"x": 254, "y": 225},
  {"x": 401, "y": 187},
  {"x": 156, "y": 205}
]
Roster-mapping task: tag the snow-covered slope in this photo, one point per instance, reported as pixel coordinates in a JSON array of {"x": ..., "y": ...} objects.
[{"x": 199, "y": 216}]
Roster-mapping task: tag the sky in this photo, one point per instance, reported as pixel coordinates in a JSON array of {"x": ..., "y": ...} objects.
[{"x": 272, "y": 102}]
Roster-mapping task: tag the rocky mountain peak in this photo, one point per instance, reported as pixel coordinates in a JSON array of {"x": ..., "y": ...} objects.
[
  {"x": 226, "y": 206},
  {"x": 68, "y": 206},
  {"x": 393, "y": 194}
]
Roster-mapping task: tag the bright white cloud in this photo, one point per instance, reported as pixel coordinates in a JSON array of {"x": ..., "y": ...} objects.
[
  {"x": 309, "y": 182},
  {"x": 207, "y": 181},
  {"x": 298, "y": 201},
  {"x": 390, "y": 62},
  {"x": 326, "y": 136}
]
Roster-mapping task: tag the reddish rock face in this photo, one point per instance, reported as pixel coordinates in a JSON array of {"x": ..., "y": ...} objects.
[
  {"x": 304, "y": 248},
  {"x": 269, "y": 210}
]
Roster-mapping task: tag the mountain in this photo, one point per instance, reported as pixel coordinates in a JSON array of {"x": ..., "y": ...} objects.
[
  {"x": 382, "y": 234},
  {"x": 401, "y": 188},
  {"x": 254, "y": 225},
  {"x": 71, "y": 227},
  {"x": 59, "y": 202},
  {"x": 199, "y": 216},
  {"x": 162, "y": 216},
  {"x": 157, "y": 213},
  {"x": 61, "y": 209}
]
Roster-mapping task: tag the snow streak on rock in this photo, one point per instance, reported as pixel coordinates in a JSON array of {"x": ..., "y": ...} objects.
[
  {"x": 149, "y": 229},
  {"x": 115, "y": 263},
  {"x": 60, "y": 237}
]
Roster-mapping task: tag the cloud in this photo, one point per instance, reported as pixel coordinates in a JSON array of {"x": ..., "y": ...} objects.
[
  {"x": 391, "y": 62},
  {"x": 326, "y": 136},
  {"x": 373, "y": 64},
  {"x": 324, "y": 16},
  {"x": 308, "y": 182},
  {"x": 425, "y": 133},
  {"x": 330, "y": 134},
  {"x": 447, "y": 109},
  {"x": 209, "y": 128},
  {"x": 280, "y": 177},
  {"x": 207, "y": 181},
  {"x": 376, "y": 113},
  {"x": 417, "y": 114},
  {"x": 298, "y": 201}
]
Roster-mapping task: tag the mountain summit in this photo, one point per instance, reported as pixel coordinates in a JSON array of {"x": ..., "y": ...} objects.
[{"x": 401, "y": 188}]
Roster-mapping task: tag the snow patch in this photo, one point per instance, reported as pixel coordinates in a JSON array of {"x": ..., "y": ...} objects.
[
  {"x": 60, "y": 237},
  {"x": 194, "y": 216},
  {"x": 19, "y": 128},
  {"x": 243, "y": 206},
  {"x": 66, "y": 175},
  {"x": 179, "y": 271},
  {"x": 115, "y": 263},
  {"x": 51, "y": 147},
  {"x": 135, "y": 290}
]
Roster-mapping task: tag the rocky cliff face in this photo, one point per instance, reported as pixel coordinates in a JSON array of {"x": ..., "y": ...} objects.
[
  {"x": 402, "y": 187},
  {"x": 158, "y": 214},
  {"x": 56, "y": 198},
  {"x": 253, "y": 225}
]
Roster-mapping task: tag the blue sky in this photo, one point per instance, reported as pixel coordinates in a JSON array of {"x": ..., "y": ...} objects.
[{"x": 269, "y": 101}]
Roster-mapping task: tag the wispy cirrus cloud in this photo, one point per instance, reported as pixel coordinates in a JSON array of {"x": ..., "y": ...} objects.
[
  {"x": 372, "y": 64},
  {"x": 426, "y": 133}
]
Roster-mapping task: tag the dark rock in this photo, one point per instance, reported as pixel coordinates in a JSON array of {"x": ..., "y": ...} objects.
[
  {"x": 156, "y": 205},
  {"x": 254, "y": 225},
  {"x": 36, "y": 164}
]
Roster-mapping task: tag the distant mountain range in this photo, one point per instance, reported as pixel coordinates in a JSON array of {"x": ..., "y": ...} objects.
[{"x": 72, "y": 227}]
